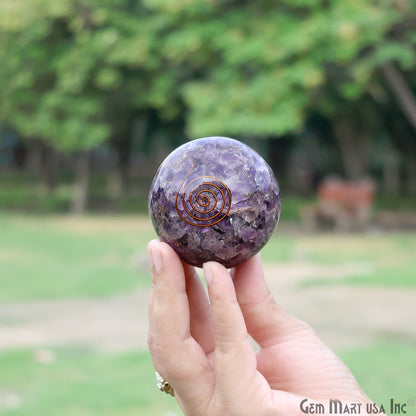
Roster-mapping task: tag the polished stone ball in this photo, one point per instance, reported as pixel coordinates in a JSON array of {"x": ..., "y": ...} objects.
[{"x": 214, "y": 199}]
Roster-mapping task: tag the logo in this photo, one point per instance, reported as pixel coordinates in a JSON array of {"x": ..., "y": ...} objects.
[{"x": 338, "y": 407}]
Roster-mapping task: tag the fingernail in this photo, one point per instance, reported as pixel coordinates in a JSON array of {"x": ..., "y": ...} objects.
[
  {"x": 207, "y": 273},
  {"x": 156, "y": 259}
]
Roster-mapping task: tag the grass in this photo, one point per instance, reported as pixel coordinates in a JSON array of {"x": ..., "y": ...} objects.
[
  {"x": 388, "y": 258},
  {"x": 385, "y": 370},
  {"x": 66, "y": 257},
  {"x": 81, "y": 383},
  {"x": 87, "y": 383},
  {"x": 58, "y": 257},
  {"x": 95, "y": 256}
]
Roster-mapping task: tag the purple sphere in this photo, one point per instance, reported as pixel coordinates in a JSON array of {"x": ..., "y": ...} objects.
[{"x": 214, "y": 199}]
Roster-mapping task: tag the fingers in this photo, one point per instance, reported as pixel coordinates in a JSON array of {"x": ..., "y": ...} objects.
[
  {"x": 200, "y": 311},
  {"x": 266, "y": 321},
  {"x": 176, "y": 355},
  {"x": 235, "y": 362},
  {"x": 226, "y": 314},
  {"x": 168, "y": 306}
]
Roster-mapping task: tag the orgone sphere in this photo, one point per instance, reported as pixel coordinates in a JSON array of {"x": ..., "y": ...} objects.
[{"x": 214, "y": 199}]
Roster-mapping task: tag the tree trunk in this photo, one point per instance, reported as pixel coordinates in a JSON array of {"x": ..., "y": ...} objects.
[
  {"x": 278, "y": 155},
  {"x": 391, "y": 172},
  {"x": 116, "y": 183},
  {"x": 82, "y": 174},
  {"x": 354, "y": 149},
  {"x": 402, "y": 91},
  {"x": 34, "y": 157},
  {"x": 411, "y": 176},
  {"x": 407, "y": 102},
  {"x": 118, "y": 175},
  {"x": 20, "y": 154},
  {"x": 42, "y": 161},
  {"x": 48, "y": 170}
]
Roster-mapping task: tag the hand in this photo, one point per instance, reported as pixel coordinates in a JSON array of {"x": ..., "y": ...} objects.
[{"x": 204, "y": 350}]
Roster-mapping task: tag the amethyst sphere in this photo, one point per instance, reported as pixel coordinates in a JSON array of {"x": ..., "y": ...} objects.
[{"x": 214, "y": 199}]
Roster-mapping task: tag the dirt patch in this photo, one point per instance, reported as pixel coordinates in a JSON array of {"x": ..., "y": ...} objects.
[
  {"x": 105, "y": 324},
  {"x": 96, "y": 224},
  {"x": 13, "y": 255},
  {"x": 344, "y": 316}
]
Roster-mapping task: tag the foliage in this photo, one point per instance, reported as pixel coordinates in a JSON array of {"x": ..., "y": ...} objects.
[
  {"x": 72, "y": 69},
  {"x": 259, "y": 68},
  {"x": 73, "y": 73},
  {"x": 137, "y": 73}
]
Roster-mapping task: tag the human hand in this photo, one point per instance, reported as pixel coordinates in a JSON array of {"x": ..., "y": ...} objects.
[{"x": 202, "y": 347}]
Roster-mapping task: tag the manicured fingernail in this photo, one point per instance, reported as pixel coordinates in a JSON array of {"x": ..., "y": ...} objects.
[
  {"x": 208, "y": 273},
  {"x": 156, "y": 258}
]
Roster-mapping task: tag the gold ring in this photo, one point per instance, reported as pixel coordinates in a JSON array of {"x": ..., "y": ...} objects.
[{"x": 163, "y": 385}]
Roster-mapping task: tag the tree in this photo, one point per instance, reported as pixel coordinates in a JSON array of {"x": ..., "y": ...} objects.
[
  {"x": 45, "y": 72},
  {"x": 260, "y": 68},
  {"x": 77, "y": 73}
]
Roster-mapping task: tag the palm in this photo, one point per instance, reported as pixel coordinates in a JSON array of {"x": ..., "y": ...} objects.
[
  {"x": 306, "y": 368},
  {"x": 203, "y": 347}
]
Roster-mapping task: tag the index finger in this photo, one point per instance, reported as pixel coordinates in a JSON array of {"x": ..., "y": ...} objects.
[{"x": 176, "y": 355}]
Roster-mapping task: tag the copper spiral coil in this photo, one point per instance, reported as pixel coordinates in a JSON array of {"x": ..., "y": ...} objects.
[{"x": 203, "y": 200}]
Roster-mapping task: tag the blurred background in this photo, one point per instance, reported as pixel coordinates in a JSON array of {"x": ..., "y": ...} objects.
[{"x": 95, "y": 93}]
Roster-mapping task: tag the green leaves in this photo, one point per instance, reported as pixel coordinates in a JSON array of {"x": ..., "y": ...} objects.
[{"x": 239, "y": 67}]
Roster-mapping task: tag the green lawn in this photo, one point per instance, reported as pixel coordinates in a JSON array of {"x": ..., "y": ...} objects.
[
  {"x": 385, "y": 371},
  {"x": 389, "y": 258},
  {"x": 58, "y": 257},
  {"x": 99, "y": 256},
  {"x": 64, "y": 257},
  {"x": 81, "y": 383},
  {"x": 86, "y": 383}
]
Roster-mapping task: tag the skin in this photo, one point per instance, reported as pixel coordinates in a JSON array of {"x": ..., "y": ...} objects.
[{"x": 202, "y": 345}]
